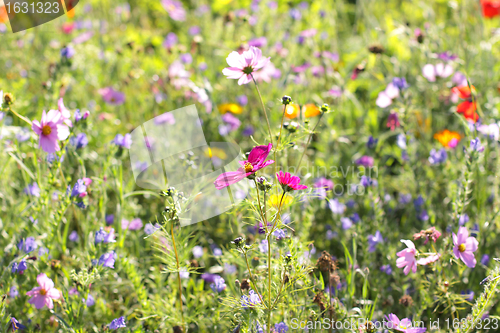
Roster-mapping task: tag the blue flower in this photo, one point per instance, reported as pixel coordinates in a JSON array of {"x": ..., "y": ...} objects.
[
  {"x": 405, "y": 199},
  {"x": 462, "y": 219},
  {"x": 79, "y": 188},
  {"x": 13, "y": 292},
  {"x": 90, "y": 301},
  {"x": 387, "y": 269},
  {"x": 79, "y": 141},
  {"x": 372, "y": 142},
  {"x": 73, "y": 236},
  {"x": 123, "y": 141},
  {"x": 149, "y": 228},
  {"x": 108, "y": 259},
  {"x": 438, "y": 157},
  {"x": 27, "y": 245},
  {"x": 485, "y": 260},
  {"x": 346, "y": 223},
  {"x": 99, "y": 236},
  {"x": 373, "y": 240},
  {"x": 67, "y": 52},
  {"x": 16, "y": 325},
  {"x": 110, "y": 219},
  {"x": 117, "y": 323},
  {"x": 400, "y": 83},
  {"x": 251, "y": 300},
  {"x": 279, "y": 234},
  {"x": 475, "y": 144}
]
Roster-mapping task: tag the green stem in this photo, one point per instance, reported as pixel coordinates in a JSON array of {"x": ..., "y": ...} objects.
[
  {"x": 252, "y": 280},
  {"x": 178, "y": 274},
  {"x": 308, "y": 141}
]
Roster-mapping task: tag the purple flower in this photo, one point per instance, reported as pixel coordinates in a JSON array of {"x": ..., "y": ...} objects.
[
  {"x": 16, "y": 325},
  {"x": 400, "y": 83},
  {"x": 186, "y": 58},
  {"x": 336, "y": 207},
  {"x": 33, "y": 190},
  {"x": 174, "y": 9},
  {"x": 242, "y": 100},
  {"x": 209, "y": 278},
  {"x": 79, "y": 189},
  {"x": 366, "y": 161},
  {"x": 90, "y": 301},
  {"x": 123, "y": 141},
  {"x": 135, "y": 224},
  {"x": 258, "y": 42},
  {"x": 170, "y": 40},
  {"x": 346, "y": 223},
  {"x": 475, "y": 144},
  {"x": 423, "y": 216},
  {"x": 251, "y": 300},
  {"x": 13, "y": 292},
  {"x": 23, "y": 265},
  {"x": 322, "y": 182},
  {"x": 438, "y": 157},
  {"x": 149, "y": 228},
  {"x": 387, "y": 269},
  {"x": 462, "y": 219},
  {"x": 197, "y": 251},
  {"x": 108, "y": 259},
  {"x": 117, "y": 323},
  {"x": 110, "y": 219},
  {"x": 447, "y": 56},
  {"x": 295, "y": 14},
  {"x": 465, "y": 246},
  {"x": 73, "y": 236},
  {"x": 281, "y": 327},
  {"x": 79, "y": 116},
  {"x": 79, "y": 141},
  {"x": 112, "y": 96},
  {"x": 263, "y": 246},
  {"x": 373, "y": 240},
  {"x": 279, "y": 234},
  {"x": 218, "y": 285},
  {"x": 231, "y": 124},
  {"x": 418, "y": 202},
  {"x": 194, "y": 30},
  {"x": 485, "y": 259},
  {"x": 27, "y": 245},
  {"x": 67, "y": 52},
  {"x": 372, "y": 142}
]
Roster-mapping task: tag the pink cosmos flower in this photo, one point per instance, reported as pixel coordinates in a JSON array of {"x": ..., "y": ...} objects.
[
  {"x": 256, "y": 161},
  {"x": 50, "y": 129},
  {"x": 407, "y": 257},
  {"x": 289, "y": 182},
  {"x": 428, "y": 260},
  {"x": 465, "y": 246},
  {"x": 65, "y": 114},
  {"x": 112, "y": 96},
  {"x": 43, "y": 295},
  {"x": 243, "y": 65},
  {"x": 403, "y": 325},
  {"x": 385, "y": 97},
  {"x": 431, "y": 72}
]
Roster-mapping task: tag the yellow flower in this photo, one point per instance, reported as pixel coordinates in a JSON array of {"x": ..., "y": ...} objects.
[
  {"x": 217, "y": 152},
  {"x": 448, "y": 139},
  {"x": 292, "y": 111},
  {"x": 274, "y": 200},
  {"x": 311, "y": 110},
  {"x": 230, "y": 107}
]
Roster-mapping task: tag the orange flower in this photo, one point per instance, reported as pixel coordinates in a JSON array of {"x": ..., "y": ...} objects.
[
  {"x": 310, "y": 110},
  {"x": 448, "y": 139},
  {"x": 292, "y": 111},
  {"x": 3, "y": 15}
]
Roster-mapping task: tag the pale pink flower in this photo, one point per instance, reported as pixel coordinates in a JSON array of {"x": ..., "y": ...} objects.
[
  {"x": 174, "y": 9},
  {"x": 135, "y": 224},
  {"x": 65, "y": 114},
  {"x": 243, "y": 65},
  {"x": 43, "y": 295},
  {"x": 50, "y": 129},
  {"x": 429, "y": 260},
  {"x": 385, "y": 97},
  {"x": 404, "y": 325},
  {"x": 465, "y": 246},
  {"x": 407, "y": 257},
  {"x": 431, "y": 72}
]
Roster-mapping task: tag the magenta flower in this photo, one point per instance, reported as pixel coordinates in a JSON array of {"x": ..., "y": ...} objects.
[
  {"x": 112, "y": 96},
  {"x": 50, "y": 129},
  {"x": 289, "y": 182},
  {"x": 366, "y": 161},
  {"x": 465, "y": 246},
  {"x": 243, "y": 65},
  {"x": 43, "y": 295},
  {"x": 256, "y": 161},
  {"x": 65, "y": 114},
  {"x": 403, "y": 325},
  {"x": 407, "y": 257},
  {"x": 393, "y": 121}
]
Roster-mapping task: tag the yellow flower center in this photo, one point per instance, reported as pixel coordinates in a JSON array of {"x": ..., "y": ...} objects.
[
  {"x": 43, "y": 292},
  {"x": 248, "y": 167},
  {"x": 461, "y": 248},
  {"x": 46, "y": 130}
]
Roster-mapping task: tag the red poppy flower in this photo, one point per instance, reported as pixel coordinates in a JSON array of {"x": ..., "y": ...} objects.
[
  {"x": 468, "y": 107},
  {"x": 491, "y": 8}
]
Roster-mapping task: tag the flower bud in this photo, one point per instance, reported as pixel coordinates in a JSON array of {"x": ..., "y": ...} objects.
[
  {"x": 8, "y": 99},
  {"x": 286, "y": 100}
]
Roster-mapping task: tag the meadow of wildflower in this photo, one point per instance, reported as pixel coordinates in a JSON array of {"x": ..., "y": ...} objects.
[{"x": 251, "y": 166}]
